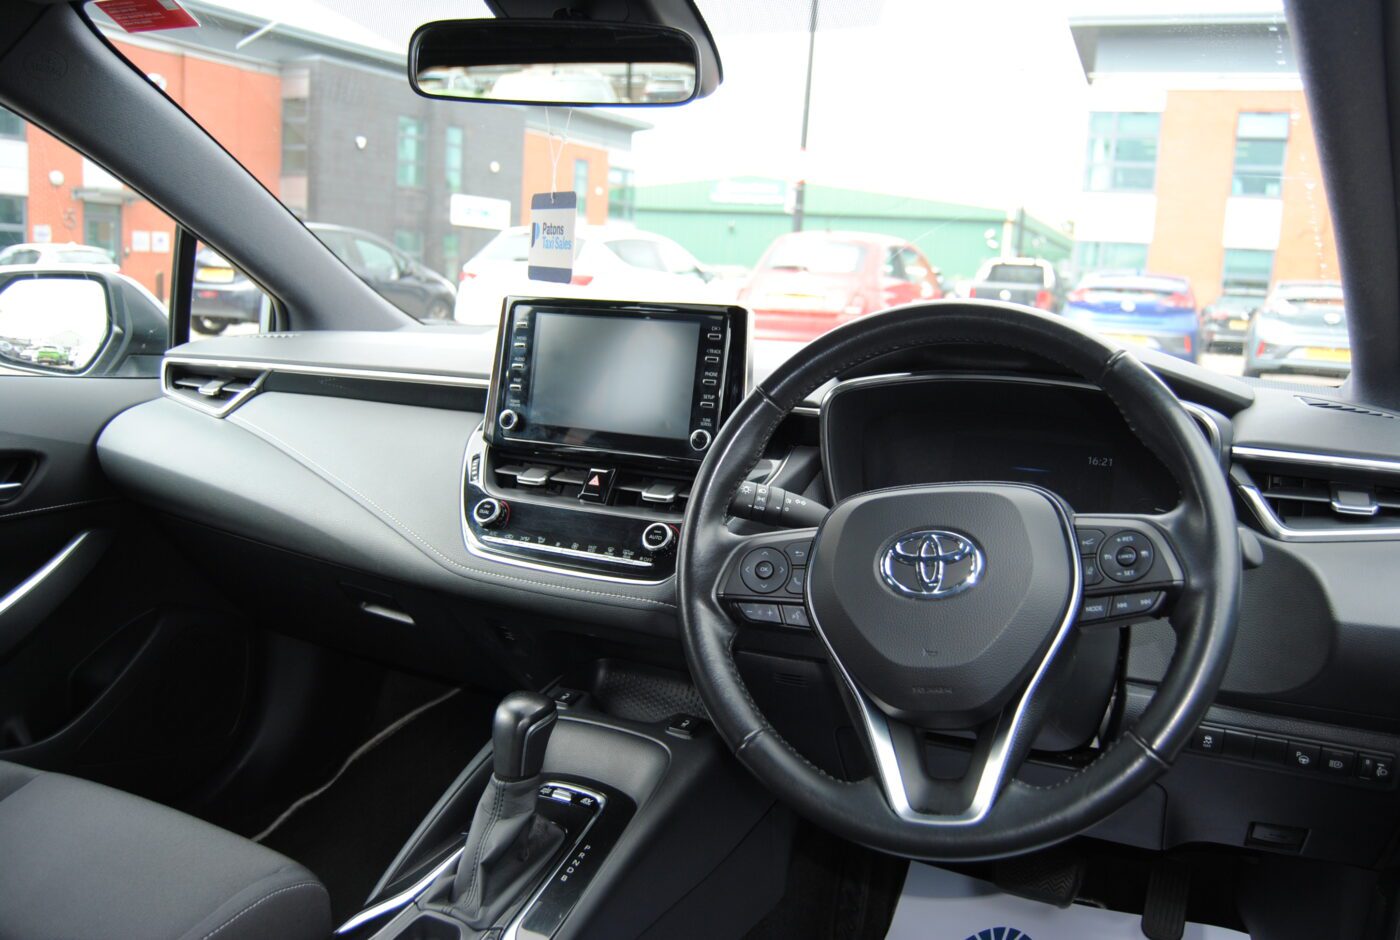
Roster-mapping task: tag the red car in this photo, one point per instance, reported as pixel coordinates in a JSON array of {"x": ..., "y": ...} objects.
[{"x": 809, "y": 282}]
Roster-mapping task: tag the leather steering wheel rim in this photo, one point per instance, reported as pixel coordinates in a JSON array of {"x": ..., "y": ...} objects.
[{"x": 1024, "y": 817}]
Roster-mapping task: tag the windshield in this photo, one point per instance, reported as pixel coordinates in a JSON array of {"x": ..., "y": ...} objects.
[{"x": 1172, "y": 142}]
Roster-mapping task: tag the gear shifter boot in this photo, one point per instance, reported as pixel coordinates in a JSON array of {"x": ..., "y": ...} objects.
[{"x": 508, "y": 846}]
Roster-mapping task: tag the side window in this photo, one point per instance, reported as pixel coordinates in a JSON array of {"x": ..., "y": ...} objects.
[
  {"x": 639, "y": 253},
  {"x": 20, "y": 256},
  {"x": 377, "y": 260},
  {"x": 916, "y": 269},
  {"x": 894, "y": 265}
]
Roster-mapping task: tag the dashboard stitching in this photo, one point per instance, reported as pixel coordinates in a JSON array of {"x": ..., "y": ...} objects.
[
  {"x": 30, "y": 512},
  {"x": 242, "y": 421}
]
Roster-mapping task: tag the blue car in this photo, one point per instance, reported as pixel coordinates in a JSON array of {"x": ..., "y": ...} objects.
[{"x": 1155, "y": 311}]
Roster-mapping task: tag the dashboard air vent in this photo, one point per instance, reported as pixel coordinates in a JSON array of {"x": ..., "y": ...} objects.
[
  {"x": 1303, "y": 502},
  {"x": 628, "y": 489},
  {"x": 1347, "y": 407},
  {"x": 215, "y": 389}
]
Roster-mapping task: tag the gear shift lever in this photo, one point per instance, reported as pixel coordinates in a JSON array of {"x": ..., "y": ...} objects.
[{"x": 509, "y": 843}]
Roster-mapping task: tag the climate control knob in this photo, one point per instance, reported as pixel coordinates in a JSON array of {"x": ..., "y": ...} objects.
[
  {"x": 658, "y": 537},
  {"x": 490, "y": 513},
  {"x": 509, "y": 420}
]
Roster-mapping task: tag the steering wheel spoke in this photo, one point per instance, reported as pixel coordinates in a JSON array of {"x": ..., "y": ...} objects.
[{"x": 1129, "y": 567}]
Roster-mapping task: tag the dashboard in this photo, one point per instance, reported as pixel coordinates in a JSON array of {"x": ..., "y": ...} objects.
[{"x": 355, "y": 473}]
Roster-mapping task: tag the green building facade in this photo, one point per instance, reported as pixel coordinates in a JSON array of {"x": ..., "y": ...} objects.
[{"x": 732, "y": 222}]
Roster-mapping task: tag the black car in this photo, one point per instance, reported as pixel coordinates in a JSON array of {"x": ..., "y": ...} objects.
[
  {"x": 1224, "y": 322},
  {"x": 223, "y": 294}
]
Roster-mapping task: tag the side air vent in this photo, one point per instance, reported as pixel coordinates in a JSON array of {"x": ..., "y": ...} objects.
[
  {"x": 212, "y": 388},
  {"x": 1346, "y": 407},
  {"x": 1309, "y": 502}
]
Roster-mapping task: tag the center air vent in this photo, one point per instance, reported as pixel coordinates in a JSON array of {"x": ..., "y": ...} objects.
[
  {"x": 211, "y": 388},
  {"x": 629, "y": 489},
  {"x": 1309, "y": 502}
]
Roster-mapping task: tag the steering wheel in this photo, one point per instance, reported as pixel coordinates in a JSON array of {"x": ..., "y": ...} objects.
[{"x": 944, "y": 608}]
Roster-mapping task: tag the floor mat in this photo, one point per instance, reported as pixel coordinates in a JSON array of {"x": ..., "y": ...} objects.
[
  {"x": 942, "y": 905},
  {"x": 348, "y": 831}
]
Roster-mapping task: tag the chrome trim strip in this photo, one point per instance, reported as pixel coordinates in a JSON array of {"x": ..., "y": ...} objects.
[
  {"x": 29, "y": 584},
  {"x": 403, "y": 898},
  {"x": 11, "y": 486},
  {"x": 512, "y": 932},
  {"x": 386, "y": 375},
  {"x": 477, "y": 548},
  {"x": 1273, "y": 455},
  {"x": 568, "y": 552},
  {"x": 1278, "y": 529},
  {"x": 999, "y": 755}
]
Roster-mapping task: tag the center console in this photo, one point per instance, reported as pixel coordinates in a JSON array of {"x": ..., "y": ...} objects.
[{"x": 597, "y": 419}]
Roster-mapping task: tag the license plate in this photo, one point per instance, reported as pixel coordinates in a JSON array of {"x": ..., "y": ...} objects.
[
  {"x": 1324, "y": 354},
  {"x": 1132, "y": 339},
  {"x": 1239, "y": 324},
  {"x": 214, "y": 275}
]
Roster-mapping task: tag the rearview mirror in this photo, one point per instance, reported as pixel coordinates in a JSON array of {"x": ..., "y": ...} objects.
[{"x": 553, "y": 62}]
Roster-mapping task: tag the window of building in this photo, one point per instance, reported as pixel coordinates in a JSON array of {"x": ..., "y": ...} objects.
[
  {"x": 622, "y": 196},
  {"x": 294, "y": 112},
  {"x": 452, "y": 159},
  {"x": 581, "y": 185},
  {"x": 1114, "y": 256},
  {"x": 1122, "y": 151},
  {"x": 11, "y": 125},
  {"x": 410, "y": 242},
  {"x": 410, "y": 152},
  {"x": 1247, "y": 271},
  {"x": 1261, "y": 140},
  {"x": 451, "y": 254},
  {"x": 11, "y": 220}
]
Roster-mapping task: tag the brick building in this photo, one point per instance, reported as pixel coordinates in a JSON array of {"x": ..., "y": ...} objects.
[{"x": 1201, "y": 159}]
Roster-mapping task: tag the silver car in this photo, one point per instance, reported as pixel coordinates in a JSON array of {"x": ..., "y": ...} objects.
[{"x": 1301, "y": 328}]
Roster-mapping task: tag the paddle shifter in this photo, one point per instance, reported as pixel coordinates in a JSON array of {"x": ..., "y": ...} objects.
[{"x": 509, "y": 843}]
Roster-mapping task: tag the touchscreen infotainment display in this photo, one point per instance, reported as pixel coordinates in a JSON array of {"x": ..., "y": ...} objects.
[{"x": 614, "y": 374}]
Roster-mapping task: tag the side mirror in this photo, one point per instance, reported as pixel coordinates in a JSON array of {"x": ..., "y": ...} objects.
[
  {"x": 554, "y": 62},
  {"x": 66, "y": 322}
]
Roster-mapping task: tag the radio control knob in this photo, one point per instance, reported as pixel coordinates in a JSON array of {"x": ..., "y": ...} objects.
[
  {"x": 509, "y": 420},
  {"x": 490, "y": 513},
  {"x": 658, "y": 537},
  {"x": 699, "y": 439}
]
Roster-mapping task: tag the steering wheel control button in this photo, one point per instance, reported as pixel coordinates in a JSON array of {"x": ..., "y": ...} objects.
[
  {"x": 683, "y": 726},
  {"x": 509, "y": 420},
  {"x": 1095, "y": 608},
  {"x": 490, "y": 513},
  {"x": 797, "y": 583},
  {"x": 1093, "y": 574},
  {"x": 761, "y": 613},
  {"x": 1089, "y": 540},
  {"x": 1208, "y": 740},
  {"x": 596, "y": 484},
  {"x": 795, "y": 615},
  {"x": 1304, "y": 756},
  {"x": 658, "y": 537},
  {"x": 1126, "y": 556},
  {"x": 765, "y": 570},
  {"x": 798, "y": 552},
  {"x": 699, "y": 439},
  {"x": 1135, "y": 605}
]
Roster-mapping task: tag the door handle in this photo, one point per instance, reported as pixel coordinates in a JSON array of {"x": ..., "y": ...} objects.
[
  {"x": 15, "y": 471},
  {"x": 30, "y": 602}
]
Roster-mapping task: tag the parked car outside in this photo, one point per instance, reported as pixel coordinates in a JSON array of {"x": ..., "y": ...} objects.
[
  {"x": 1150, "y": 310},
  {"x": 615, "y": 261},
  {"x": 224, "y": 295},
  {"x": 1027, "y": 281},
  {"x": 1301, "y": 328},
  {"x": 1225, "y": 322},
  {"x": 49, "y": 255},
  {"x": 806, "y": 283}
]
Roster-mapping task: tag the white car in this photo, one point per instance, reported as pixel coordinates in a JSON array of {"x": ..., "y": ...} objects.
[
  {"x": 50, "y": 255},
  {"x": 616, "y": 262}
]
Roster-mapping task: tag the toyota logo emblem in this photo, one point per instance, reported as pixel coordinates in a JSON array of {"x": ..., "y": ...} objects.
[{"x": 932, "y": 564}]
